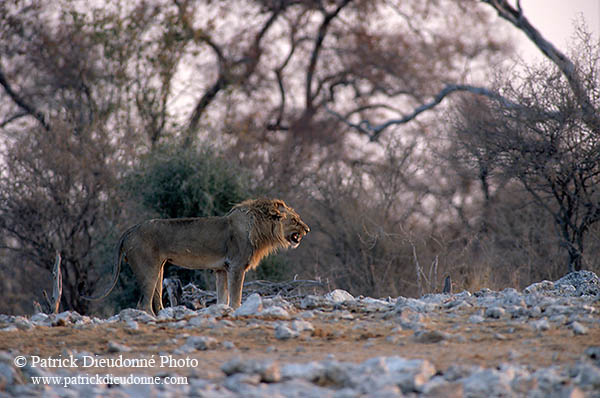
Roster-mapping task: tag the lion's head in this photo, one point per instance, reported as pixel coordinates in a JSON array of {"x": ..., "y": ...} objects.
[
  {"x": 275, "y": 224},
  {"x": 294, "y": 228}
]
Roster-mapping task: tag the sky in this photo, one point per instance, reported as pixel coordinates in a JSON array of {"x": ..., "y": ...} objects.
[{"x": 554, "y": 19}]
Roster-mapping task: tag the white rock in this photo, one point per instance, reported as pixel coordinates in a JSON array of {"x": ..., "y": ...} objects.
[
  {"x": 217, "y": 310},
  {"x": 540, "y": 325},
  {"x": 488, "y": 383},
  {"x": 588, "y": 377},
  {"x": 201, "y": 343},
  {"x": 578, "y": 328},
  {"x": 301, "y": 326},
  {"x": 268, "y": 370},
  {"x": 339, "y": 296},
  {"x": 179, "y": 312},
  {"x": 23, "y": 323},
  {"x": 132, "y": 325},
  {"x": 252, "y": 306},
  {"x": 495, "y": 312},
  {"x": 274, "y": 312},
  {"x": 133, "y": 315},
  {"x": 282, "y": 332},
  {"x": 41, "y": 319},
  {"x": 416, "y": 305},
  {"x": 117, "y": 347},
  {"x": 308, "y": 371},
  {"x": 475, "y": 319},
  {"x": 539, "y": 287},
  {"x": 202, "y": 322}
]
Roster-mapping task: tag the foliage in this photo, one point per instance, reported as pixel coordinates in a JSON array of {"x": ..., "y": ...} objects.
[{"x": 174, "y": 182}]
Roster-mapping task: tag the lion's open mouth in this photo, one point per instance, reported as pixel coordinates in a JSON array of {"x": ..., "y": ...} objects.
[{"x": 294, "y": 239}]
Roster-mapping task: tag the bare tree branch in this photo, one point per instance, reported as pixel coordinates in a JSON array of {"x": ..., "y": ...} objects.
[
  {"x": 374, "y": 131},
  {"x": 317, "y": 49},
  {"x": 12, "y": 118},
  {"x": 22, "y": 103},
  {"x": 250, "y": 58}
]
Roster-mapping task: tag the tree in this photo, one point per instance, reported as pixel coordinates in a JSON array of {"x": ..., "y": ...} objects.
[
  {"x": 549, "y": 142},
  {"x": 58, "y": 188},
  {"x": 56, "y": 195}
]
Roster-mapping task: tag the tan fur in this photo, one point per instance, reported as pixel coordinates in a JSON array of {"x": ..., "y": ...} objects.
[{"x": 229, "y": 245}]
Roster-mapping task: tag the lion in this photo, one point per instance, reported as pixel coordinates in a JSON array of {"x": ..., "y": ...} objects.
[{"x": 230, "y": 245}]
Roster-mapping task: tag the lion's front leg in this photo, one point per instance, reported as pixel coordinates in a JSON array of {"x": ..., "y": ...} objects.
[
  {"x": 235, "y": 283},
  {"x": 222, "y": 290},
  {"x": 157, "y": 303}
]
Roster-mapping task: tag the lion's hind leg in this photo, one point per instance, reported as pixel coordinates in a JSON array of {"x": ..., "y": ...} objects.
[{"x": 147, "y": 268}]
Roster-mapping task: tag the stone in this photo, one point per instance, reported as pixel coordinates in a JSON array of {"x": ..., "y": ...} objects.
[
  {"x": 132, "y": 325},
  {"x": 203, "y": 322},
  {"x": 178, "y": 313},
  {"x": 578, "y": 328},
  {"x": 113, "y": 346},
  {"x": 201, "y": 343},
  {"x": 217, "y": 310},
  {"x": 64, "y": 318},
  {"x": 339, "y": 296},
  {"x": 488, "y": 383},
  {"x": 540, "y": 325},
  {"x": 430, "y": 336},
  {"x": 301, "y": 326},
  {"x": 415, "y": 305},
  {"x": 475, "y": 319},
  {"x": 593, "y": 353},
  {"x": 588, "y": 377},
  {"x": 283, "y": 332},
  {"x": 495, "y": 312},
  {"x": 539, "y": 287},
  {"x": 268, "y": 371},
  {"x": 41, "y": 319},
  {"x": 274, "y": 312},
  {"x": 584, "y": 283},
  {"x": 252, "y": 306},
  {"x": 23, "y": 323},
  {"x": 132, "y": 314},
  {"x": 438, "y": 387},
  {"x": 307, "y": 371}
]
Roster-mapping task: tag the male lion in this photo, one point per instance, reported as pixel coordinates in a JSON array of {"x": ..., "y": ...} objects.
[{"x": 230, "y": 245}]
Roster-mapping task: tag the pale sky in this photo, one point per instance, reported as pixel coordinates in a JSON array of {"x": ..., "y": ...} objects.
[{"x": 554, "y": 19}]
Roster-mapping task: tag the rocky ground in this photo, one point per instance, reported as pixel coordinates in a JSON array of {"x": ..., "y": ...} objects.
[{"x": 541, "y": 342}]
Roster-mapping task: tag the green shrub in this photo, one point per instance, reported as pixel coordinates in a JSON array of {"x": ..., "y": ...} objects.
[{"x": 177, "y": 183}]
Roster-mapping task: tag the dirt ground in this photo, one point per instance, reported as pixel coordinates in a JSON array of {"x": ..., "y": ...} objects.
[{"x": 487, "y": 344}]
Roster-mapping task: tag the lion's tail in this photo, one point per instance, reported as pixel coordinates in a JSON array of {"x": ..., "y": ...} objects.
[{"x": 116, "y": 266}]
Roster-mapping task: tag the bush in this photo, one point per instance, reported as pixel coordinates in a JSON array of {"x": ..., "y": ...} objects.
[{"x": 177, "y": 183}]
